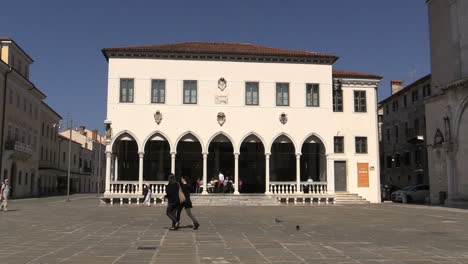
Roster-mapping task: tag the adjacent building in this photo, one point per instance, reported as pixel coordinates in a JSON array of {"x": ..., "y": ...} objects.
[
  {"x": 447, "y": 122},
  {"x": 403, "y": 134},
  {"x": 267, "y": 117},
  {"x": 31, "y": 150}
]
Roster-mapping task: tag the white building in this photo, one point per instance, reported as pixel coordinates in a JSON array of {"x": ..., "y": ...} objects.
[{"x": 269, "y": 117}]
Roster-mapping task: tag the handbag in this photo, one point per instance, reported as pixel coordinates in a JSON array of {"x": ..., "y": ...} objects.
[{"x": 181, "y": 195}]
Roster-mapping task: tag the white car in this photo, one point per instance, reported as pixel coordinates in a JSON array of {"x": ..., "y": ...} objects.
[{"x": 414, "y": 193}]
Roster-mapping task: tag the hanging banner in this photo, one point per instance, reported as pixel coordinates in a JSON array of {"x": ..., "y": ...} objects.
[{"x": 363, "y": 174}]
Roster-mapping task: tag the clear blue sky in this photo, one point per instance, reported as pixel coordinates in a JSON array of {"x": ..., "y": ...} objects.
[{"x": 65, "y": 38}]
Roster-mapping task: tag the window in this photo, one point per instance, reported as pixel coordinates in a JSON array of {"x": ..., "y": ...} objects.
[
  {"x": 387, "y": 111},
  {"x": 428, "y": 92},
  {"x": 63, "y": 157},
  {"x": 417, "y": 157},
  {"x": 20, "y": 177},
  {"x": 26, "y": 178},
  {"x": 312, "y": 95},
  {"x": 389, "y": 162},
  {"x": 405, "y": 101},
  {"x": 190, "y": 92},
  {"x": 406, "y": 129},
  {"x": 42, "y": 153},
  {"x": 17, "y": 135},
  {"x": 126, "y": 90},
  {"x": 361, "y": 145},
  {"x": 407, "y": 158},
  {"x": 74, "y": 159},
  {"x": 396, "y": 132},
  {"x": 10, "y": 131},
  {"x": 46, "y": 154},
  {"x": 397, "y": 161},
  {"x": 414, "y": 96},
  {"x": 158, "y": 91},
  {"x": 337, "y": 100},
  {"x": 360, "y": 101},
  {"x": 282, "y": 94},
  {"x": 388, "y": 134},
  {"x": 339, "y": 144},
  {"x": 251, "y": 93},
  {"x": 395, "y": 105},
  {"x": 416, "y": 126}
]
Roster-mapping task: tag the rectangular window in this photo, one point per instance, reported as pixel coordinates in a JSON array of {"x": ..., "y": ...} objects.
[
  {"x": 190, "y": 92},
  {"x": 312, "y": 95},
  {"x": 126, "y": 90},
  {"x": 407, "y": 158},
  {"x": 251, "y": 93},
  {"x": 396, "y": 132},
  {"x": 406, "y": 129},
  {"x": 405, "y": 101},
  {"x": 388, "y": 135},
  {"x": 389, "y": 162},
  {"x": 158, "y": 91},
  {"x": 361, "y": 145},
  {"x": 428, "y": 90},
  {"x": 360, "y": 101},
  {"x": 338, "y": 100},
  {"x": 397, "y": 161},
  {"x": 282, "y": 94},
  {"x": 63, "y": 157},
  {"x": 339, "y": 144},
  {"x": 387, "y": 109}
]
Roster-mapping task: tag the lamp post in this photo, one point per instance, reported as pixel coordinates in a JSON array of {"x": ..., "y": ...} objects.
[{"x": 70, "y": 128}]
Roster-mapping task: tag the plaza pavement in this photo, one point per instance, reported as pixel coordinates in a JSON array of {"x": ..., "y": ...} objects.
[{"x": 49, "y": 230}]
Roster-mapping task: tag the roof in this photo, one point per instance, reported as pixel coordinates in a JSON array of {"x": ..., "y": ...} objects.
[
  {"x": 419, "y": 81},
  {"x": 67, "y": 138},
  {"x": 220, "y": 48},
  {"x": 337, "y": 73},
  {"x": 10, "y": 39}
]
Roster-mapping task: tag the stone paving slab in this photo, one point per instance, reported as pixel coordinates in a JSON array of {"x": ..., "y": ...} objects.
[{"x": 49, "y": 230}]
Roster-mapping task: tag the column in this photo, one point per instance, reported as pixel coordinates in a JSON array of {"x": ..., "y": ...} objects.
[
  {"x": 298, "y": 173},
  {"x": 267, "y": 173},
  {"x": 330, "y": 175},
  {"x": 108, "y": 171},
  {"x": 205, "y": 169},
  {"x": 116, "y": 165},
  {"x": 140, "y": 171},
  {"x": 173, "y": 155},
  {"x": 236, "y": 173}
]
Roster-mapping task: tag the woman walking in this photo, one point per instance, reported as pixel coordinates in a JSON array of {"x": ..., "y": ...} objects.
[
  {"x": 186, "y": 189},
  {"x": 172, "y": 195}
]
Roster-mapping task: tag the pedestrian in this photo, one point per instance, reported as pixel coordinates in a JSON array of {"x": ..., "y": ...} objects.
[
  {"x": 185, "y": 186},
  {"x": 220, "y": 181},
  {"x": 173, "y": 201},
  {"x": 4, "y": 193},
  {"x": 147, "y": 193}
]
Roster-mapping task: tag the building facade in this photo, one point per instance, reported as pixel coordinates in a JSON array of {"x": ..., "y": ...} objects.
[
  {"x": 31, "y": 149},
  {"x": 447, "y": 126},
  {"x": 403, "y": 151},
  {"x": 269, "y": 118}
]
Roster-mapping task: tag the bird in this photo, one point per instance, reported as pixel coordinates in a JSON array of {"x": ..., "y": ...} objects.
[
  {"x": 278, "y": 220},
  {"x": 298, "y": 227}
]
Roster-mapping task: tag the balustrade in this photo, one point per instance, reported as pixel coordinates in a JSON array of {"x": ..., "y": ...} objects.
[{"x": 311, "y": 188}]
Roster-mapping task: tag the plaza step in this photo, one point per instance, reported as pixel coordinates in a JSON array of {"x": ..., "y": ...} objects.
[
  {"x": 234, "y": 200},
  {"x": 349, "y": 198}
]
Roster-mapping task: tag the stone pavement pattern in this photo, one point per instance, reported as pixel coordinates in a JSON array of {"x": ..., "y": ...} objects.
[{"x": 49, "y": 230}]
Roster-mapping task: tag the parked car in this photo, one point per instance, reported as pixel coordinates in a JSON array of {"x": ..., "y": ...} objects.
[
  {"x": 414, "y": 193},
  {"x": 386, "y": 191}
]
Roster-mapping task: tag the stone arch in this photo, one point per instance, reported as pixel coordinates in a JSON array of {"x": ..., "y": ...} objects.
[
  {"x": 122, "y": 134},
  {"x": 463, "y": 108},
  {"x": 186, "y": 134},
  {"x": 248, "y": 135},
  {"x": 317, "y": 136},
  {"x": 155, "y": 133},
  {"x": 284, "y": 135},
  {"x": 224, "y": 134}
]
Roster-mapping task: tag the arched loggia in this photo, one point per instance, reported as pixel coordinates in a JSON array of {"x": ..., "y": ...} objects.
[
  {"x": 125, "y": 158},
  {"x": 157, "y": 159},
  {"x": 313, "y": 160},
  {"x": 283, "y": 159},
  {"x": 252, "y": 165},
  {"x": 189, "y": 158}
]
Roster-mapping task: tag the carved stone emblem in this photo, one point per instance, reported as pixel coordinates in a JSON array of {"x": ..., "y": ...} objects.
[
  {"x": 158, "y": 117},
  {"x": 221, "y": 118},
  {"x": 108, "y": 131},
  {"x": 221, "y": 99},
  {"x": 283, "y": 118},
  {"x": 222, "y": 84}
]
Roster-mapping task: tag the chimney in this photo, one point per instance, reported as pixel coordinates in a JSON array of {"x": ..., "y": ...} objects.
[
  {"x": 396, "y": 86},
  {"x": 95, "y": 133},
  {"x": 82, "y": 130}
]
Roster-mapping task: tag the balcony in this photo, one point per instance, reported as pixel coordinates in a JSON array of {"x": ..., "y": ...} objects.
[
  {"x": 21, "y": 151},
  {"x": 415, "y": 137}
]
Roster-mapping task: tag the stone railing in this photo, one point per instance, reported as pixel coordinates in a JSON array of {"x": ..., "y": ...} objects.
[
  {"x": 131, "y": 187},
  {"x": 311, "y": 188},
  {"x": 124, "y": 187}
]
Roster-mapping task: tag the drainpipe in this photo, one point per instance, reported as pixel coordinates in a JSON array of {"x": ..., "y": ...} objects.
[{"x": 3, "y": 119}]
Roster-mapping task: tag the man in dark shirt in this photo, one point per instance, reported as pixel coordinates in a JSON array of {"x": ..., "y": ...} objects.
[{"x": 172, "y": 195}]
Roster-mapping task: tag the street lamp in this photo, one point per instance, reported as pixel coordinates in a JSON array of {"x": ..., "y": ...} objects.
[
  {"x": 70, "y": 128},
  {"x": 99, "y": 163}
]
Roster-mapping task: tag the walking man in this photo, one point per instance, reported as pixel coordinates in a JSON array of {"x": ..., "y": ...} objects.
[{"x": 4, "y": 193}]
